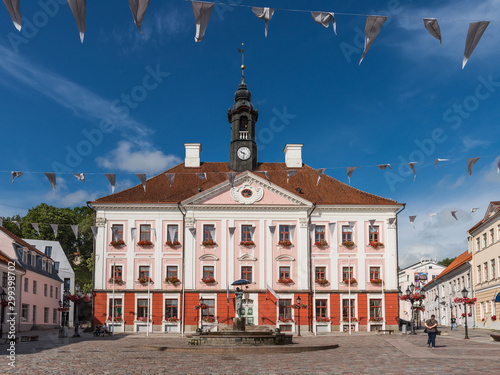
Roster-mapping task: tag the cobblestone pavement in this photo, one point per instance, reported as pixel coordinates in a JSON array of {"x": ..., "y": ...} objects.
[{"x": 360, "y": 353}]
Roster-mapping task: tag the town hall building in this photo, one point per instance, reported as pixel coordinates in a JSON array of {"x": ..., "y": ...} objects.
[{"x": 167, "y": 253}]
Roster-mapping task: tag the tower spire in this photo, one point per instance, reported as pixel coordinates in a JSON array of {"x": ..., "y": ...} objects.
[{"x": 242, "y": 51}]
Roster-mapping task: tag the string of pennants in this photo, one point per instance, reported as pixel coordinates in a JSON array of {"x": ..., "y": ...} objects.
[
  {"x": 453, "y": 213},
  {"x": 232, "y": 175},
  {"x": 202, "y": 11},
  {"x": 55, "y": 227}
]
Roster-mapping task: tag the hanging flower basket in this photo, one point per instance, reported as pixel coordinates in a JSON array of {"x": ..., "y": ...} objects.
[
  {"x": 348, "y": 244},
  {"x": 208, "y": 319},
  {"x": 117, "y": 244},
  {"x": 463, "y": 315},
  {"x": 285, "y": 281},
  {"x": 117, "y": 280},
  {"x": 321, "y": 281},
  {"x": 469, "y": 301},
  {"x": 321, "y": 244},
  {"x": 172, "y": 280},
  {"x": 172, "y": 320},
  {"x": 144, "y": 280},
  {"x": 412, "y": 297},
  {"x": 376, "y": 281},
  {"x": 376, "y": 244},
  {"x": 64, "y": 309},
  {"x": 352, "y": 281},
  {"x": 322, "y": 320},
  {"x": 286, "y": 243},
  {"x": 145, "y": 243},
  {"x": 209, "y": 243},
  {"x": 299, "y": 306},
  {"x": 202, "y": 306},
  {"x": 208, "y": 280},
  {"x": 470, "y": 314},
  {"x": 76, "y": 298},
  {"x": 419, "y": 308},
  {"x": 173, "y": 243},
  {"x": 493, "y": 318}
]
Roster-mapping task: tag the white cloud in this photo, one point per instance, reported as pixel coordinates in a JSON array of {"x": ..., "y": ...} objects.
[{"x": 144, "y": 160}]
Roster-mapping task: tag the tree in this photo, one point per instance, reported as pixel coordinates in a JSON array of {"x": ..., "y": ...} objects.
[{"x": 446, "y": 261}]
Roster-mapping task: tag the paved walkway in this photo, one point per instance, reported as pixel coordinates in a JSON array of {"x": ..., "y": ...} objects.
[{"x": 359, "y": 353}]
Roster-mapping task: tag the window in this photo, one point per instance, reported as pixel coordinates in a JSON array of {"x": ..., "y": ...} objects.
[
  {"x": 493, "y": 271},
  {"x": 34, "y": 286},
  {"x": 319, "y": 233},
  {"x": 57, "y": 293},
  {"x": 117, "y": 271},
  {"x": 175, "y": 230},
  {"x": 246, "y": 233},
  {"x": 346, "y": 233},
  {"x": 4, "y": 280},
  {"x": 25, "y": 256},
  {"x": 25, "y": 312},
  {"x": 46, "y": 315},
  {"x": 284, "y": 272},
  {"x": 374, "y": 273},
  {"x": 172, "y": 271},
  {"x": 208, "y": 229},
  {"x": 478, "y": 274},
  {"x": 209, "y": 312},
  {"x": 347, "y": 309},
  {"x": 48, "y": 251},
  {"x": 145, "y": 232},
  {"x": 51, "y": 291},
  {"x": 347, "y": 273},
  {"x": 33, "y": 259},
  {"x": 375, "y": 308},
  {"x": 485, "y": 265},
  {"x": 246, "y": 273},
  {"x": 50, "y": 267},
  {"x": 45, "y": 288},
  {"x": 284, "y": 232},
  {"x": 320, "y": 273},
  {"x": 243, "y": 124},
  {"x": 285, "y": 309},
  {"x": 67, "y": 283},
  {"x": 170, "y": 308},
  {"x": 44, "y": 264},
  {"x": 26, "y": 281},
  {"x": 478, "y": 244},
  {"x": 33, "y": 314},
  {"x": 142, "y": 308},
  {"x": 492, "y": 236},
  {"x": 54, "y": 316},
  {"x": 374, "y": 230},
  {"x": 321, "y": 308},
  {"x": 143, "y": 272},
  {"x": 117, "y": 307},
  {"x": 117, "y": 232},
  {"x": 56, "y": 266},
  {"x": 208, "y": 272}
]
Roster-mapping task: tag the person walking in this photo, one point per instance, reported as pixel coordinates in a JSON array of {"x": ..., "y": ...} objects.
[
  {"x": 453, "y": 323},
  {"x": 431, "y": 328}
]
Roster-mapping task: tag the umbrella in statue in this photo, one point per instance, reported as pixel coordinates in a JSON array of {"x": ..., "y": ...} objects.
[{"x": 241, "y": 282}]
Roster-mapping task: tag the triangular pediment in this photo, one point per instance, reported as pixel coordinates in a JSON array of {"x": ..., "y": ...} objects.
[{"x": 248, "y": 189}]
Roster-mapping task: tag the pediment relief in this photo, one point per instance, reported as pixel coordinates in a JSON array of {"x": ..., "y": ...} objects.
[
  {"x": 285, "y": 257},
  {"x": 208, "y": 257},
  {"x": 247, "y": 257}
]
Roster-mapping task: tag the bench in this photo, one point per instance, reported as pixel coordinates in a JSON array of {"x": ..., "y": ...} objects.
[
  {"x": 29, "y": 338},
  {"x": 495, "y": 337},
  {"x": 384, "y": 331},
  {"x": 7, "y": 341}
]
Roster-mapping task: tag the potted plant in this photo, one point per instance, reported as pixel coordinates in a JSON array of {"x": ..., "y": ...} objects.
[
  {"x": 463, "y": 315},
  {"x": 143, "y": 319},
  {"x": 348, "y": 244},
  {"x": 376, "y": 244},
  {"x": 285, "y": 280},
  {"x": 145, "y": 243},
  {"x": 321, "y": 244},
  {"x": 469, "y": 314},
  {"x": 321, "y": 281},
  {"x": 351, "y": 281},
  {"x": 172, "y": 280},
  {"x": 247, "y": 243},
  {"x": 144, "y": 280},
  {"x": 208, "y": 280},
  {"x": 285, "y": 243},
  {"x": 209, "y": 243},
  {"x": 118, "y": 243},
  {"x": 376, "y": 281},
  {"x": 116, "y": 280},
  {"x": 173, "y": 243}
]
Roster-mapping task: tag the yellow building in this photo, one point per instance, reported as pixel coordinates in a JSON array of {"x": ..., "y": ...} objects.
[{"x": 484, "y": 243}]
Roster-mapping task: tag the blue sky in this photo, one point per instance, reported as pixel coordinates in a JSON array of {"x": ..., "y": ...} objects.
[{"x": 408, "y": 101}]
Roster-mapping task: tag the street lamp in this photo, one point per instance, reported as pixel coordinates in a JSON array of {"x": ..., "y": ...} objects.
[
  {"x": 409, "y": 292},
  {"x": 64, "y": 307},
  {"x": 3, "y": 295},
  {"x": 76, "y": 303},
  {"x": 465, "y": 292},
  {"x": 298, "y": 307},
  {"x": 199, "y": 330}
]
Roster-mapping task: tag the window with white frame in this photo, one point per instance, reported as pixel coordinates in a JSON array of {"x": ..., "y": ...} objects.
[
  {"x": 208, "y": 229},
  {"x": 492, "y": 236},
  {"x": 485, "y": 266},
  {"x": 484, "y": 240},
  {"x": 478, "y": 244},
  {"x": 54, "y": 316},
  {"x": 346, "y": 233},
  {"x": 25, "y": 312},
  {"x": 347, "y": 309},
  {"x": 319, "y": 233},
  {"x": 145, "y": 232},
  {"x": 374, "y": 233},
  {"x": 478, "y": 274},
  {"x": 174, "y": 228},
  {"x": 25, "y": 256},
  {"x": 493, "y": 270},
  {"x": 142, "y": 308}
]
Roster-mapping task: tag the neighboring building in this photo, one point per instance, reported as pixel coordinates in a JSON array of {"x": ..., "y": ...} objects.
[
  {"x": 417, "y": 274},
  {"x": 484, "y": 244},
  {"x": 441, "y": 292},
  {"x": 62, "y": 265},
  {"x": 9, "y": 267},
  {"x": 40, "y": 285},
  {"x": 208, "y": 231}
]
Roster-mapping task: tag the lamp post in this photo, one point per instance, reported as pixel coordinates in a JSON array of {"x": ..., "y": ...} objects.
[
  {"x": 76, "y": 303},
  {"x": 409, "y": 292},
  {"x": 64, "y": 305},
  {"x": 298, "y": 307},
  {"x": 199, "y": 330},
  {"x": 465, "y": 292},
  {"x": 3, "y": 295}
]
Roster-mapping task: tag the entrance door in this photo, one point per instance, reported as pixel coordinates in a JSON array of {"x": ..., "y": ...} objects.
[{"x": 247, "y": 311}]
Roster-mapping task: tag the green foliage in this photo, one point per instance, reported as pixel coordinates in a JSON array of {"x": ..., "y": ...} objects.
[{"x": 446, "y": 261}]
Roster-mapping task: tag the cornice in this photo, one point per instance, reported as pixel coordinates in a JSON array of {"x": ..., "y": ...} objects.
[
  {"x": 135, "y": 206},
  {"x": 358, "y": 208}
]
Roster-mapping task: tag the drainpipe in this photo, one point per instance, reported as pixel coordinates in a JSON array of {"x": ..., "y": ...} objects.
[
  {"x": 309, "y": 267},
  {"x": 183, "y": 212},
  {"x": 397, "y": 254}
]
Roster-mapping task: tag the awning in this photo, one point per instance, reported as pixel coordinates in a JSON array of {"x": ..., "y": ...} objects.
[{"x": 497, "y": 298}]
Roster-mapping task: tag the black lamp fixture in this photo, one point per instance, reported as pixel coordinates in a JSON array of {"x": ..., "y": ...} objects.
[
  {"x": 201, "y": 301},
  {"x": 3, "y": 296},
  {"x": 412, "y": 287},
  {"x": 298, "y": 308},
  {"x": 464, "y": 292},
  {"x": 408, "y": 291},
  {"x": 298, "y": 300}
]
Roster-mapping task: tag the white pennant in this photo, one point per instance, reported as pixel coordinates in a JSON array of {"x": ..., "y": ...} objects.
[
  {"x": 212, "y": 233},
  {"x": 78, "y": 8},
  {"x": 384, "y": 166},
  {"x": 454, "y": 214},
  {"x": 114, "y": 233},
  {"x": 15, "y": 175},
  {"x": 264, "y": 14},
  {"x": 36, "y": 228},
  {"x": 54, "y": 228},
  {"x": 290, "y": 174},
  {"x": 14, "y": 9},
  {"x": 94, "y": 230},
  {"x": 352, "y": 224},
  {"x": 201, "y": 176},
  {"x": 412, "y": 167},
  {"x": 312, "y": 227},
  {"x": 438, "y": 160},
  {"x": 476, "y": 30},
  {"x": 231, "y": 176},
  {"x": 372, "y": 28},
  {"x": 331, "y": 226},
  {"x": 170, "y": 177},
  {"x": 132, "y": 234},
  {"x": 201, "y": 11},
  {"x": 138, "y": 8},
  {"x": 392, "y": 220},
  {"x": 252, "y": 231},
  {"x": 52, "y": 179},
  {"x": 142, "y": 178},
  {"x": 472, "y": 210},
  {"x": 470, "y": 164},
  {"x": 432, "y": 26},
  {"x": 153, "y": 231},
  {"x": 292, "y": 232},
  {"x": 18, "y": 225},
  {"x": 498, "y": 165},
  {"x": 172, "y": 231},
  {"x": 112, "y": 180},
  {"x": 324, "y": 18},
  {"x": 320, "y": 171},
  {"x": 431, "y": 215},
  {"x": 412, "y": 220},
  {"x": 74, "y": 228},
  {"x": 371, "y": 223},
  {"x": 192, "y": 231},
  {"x": 79, "y": 176},
  {"x": 349, "y": 172}
]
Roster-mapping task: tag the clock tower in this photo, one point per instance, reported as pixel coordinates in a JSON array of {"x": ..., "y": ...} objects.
[{"x": 242, "y": 117}]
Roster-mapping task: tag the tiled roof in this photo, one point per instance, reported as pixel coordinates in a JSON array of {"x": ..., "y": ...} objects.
[
  {"x": 21, "y": 242},
  {"x": 461, "y": 259},
  {"x": 329, "y": 191},
  {"x": 5, "y": 259}
]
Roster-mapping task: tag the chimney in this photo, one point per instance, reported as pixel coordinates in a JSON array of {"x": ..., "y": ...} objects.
[
  {"x": 192, "y": 155},
  {"x": 293, "y": 155}
]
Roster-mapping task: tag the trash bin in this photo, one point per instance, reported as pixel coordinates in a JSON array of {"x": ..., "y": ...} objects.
[{"x": 403, "y": 328}]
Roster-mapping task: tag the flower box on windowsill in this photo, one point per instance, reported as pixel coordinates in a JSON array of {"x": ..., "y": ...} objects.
[
  {"x": 143, "y": 320},
  {"x": 209, "y": 243},
  {"x": 348, "y": 244},
  {"x": 145, "y": 280},
  {"x": 376, "y": 319},
  {"x": 376, "y": 281},
  {"x": 376, "y": 244},
  {"x": 117, "y": 319},
  {"x": 247, "y": 243},
  {"x": 285, "y": 243},
  {"x": 285, "y": 320},
  {"x": 173, "y": 243},
  {"x": 116, "y": 280},
  {"x": 322, "y": 282},
  {"x": 117, "y": 244},
  {"x": 172, "y": 320},
  {"x": 208, "y": 319},
  {"x": 172, "y": 280},
  {"x": 351, "y": 281},
  {"x": 208, "y": 280},
  {"x": 285, "y": 281},
  {"x": 321, "y": 244},
  {"x": 321, "y": 320},
  {"x": 353, "y": 320},
  {"x": 144, "y": 243}
]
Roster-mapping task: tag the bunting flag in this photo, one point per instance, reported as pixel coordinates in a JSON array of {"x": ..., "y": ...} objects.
[
  {"x": 312, "y": 228},
  {"x": 78, "y": 7},
  {"x": 252, "y": 231},
  {"x": 52, "y": 179},
  {"x": 74, "y": 228},
  {"x": 79, "y": 176},
  {"x": 202, "y": 11},
  {"x": 142, "y": 178},
  {"x": 352, "y": 224},
  {"x": 231, "y": 231},
  {"x": 384, "y": 166},
  {"x": 54, "y": 228},
  {"x": 112, "y": 180},
  {"x": 290, "y": 174},
  {"x": 170, "y": 177},
  {"x": 272, "y": 229},
  {"x": 349, "y": 172},
  {"x": 15, "y": 175},
  {"x": 431, "y": 215},
  {"x": 201, "y": 176},
  {"x": 498, "y": 165},
  {"x": 324, "y": 18},
  {"x": 392, "y": 220},
  {"x": 470, "y": 164},
  {"x": 372, "y": 28},
  {"x": 114, "y": 234},
  {"x": 36, "y": 228},
  {"x": 172, "y": 230},
  {"x": 412, "y": 167},
  {"x": 264, "y": 14},
  {"x": 412, "y": 220},
  {"x": 18, "y": 225},
  {"x": 212, "y": 233},
  {"x": 14, "y": 9},
  {"x": 331, "y": 227},
  {"x": 192, "y": 231},
  {"x": 231, "y": 176},
  {"x": 94, "y": 230},
  {"x": 138, "y": 8},
  {"x": 371, "y": 223},
  {"x": 438, "y": 160},
  {"x": 454, "y": 214},
  {"x": 472, "y": 210},
  {"x": 321, "y": 171},
  {"x": 292, "y": 232},
  {"x": 132, "y": 234},
  {"x": 476, "y": 31},
  {"x": 153, "y": 232},
  {"x": 432, "y": 26},
  {"x": 1, "y": 222}
]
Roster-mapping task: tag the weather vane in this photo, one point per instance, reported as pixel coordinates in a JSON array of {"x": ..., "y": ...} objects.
[{"x": 242, "y": 51}]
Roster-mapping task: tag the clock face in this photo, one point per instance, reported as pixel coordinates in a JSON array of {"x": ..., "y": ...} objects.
[{"x": 244, "y": 153}]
